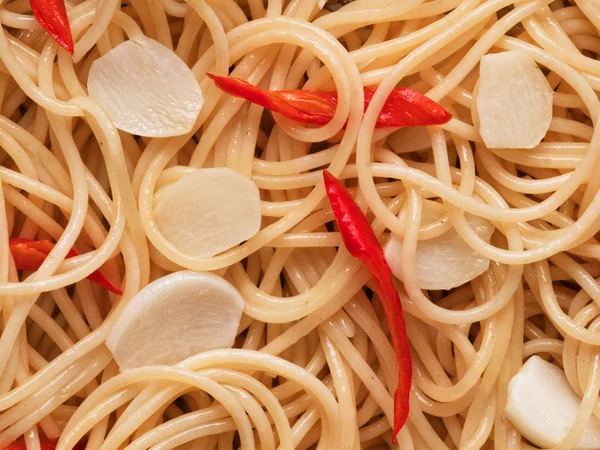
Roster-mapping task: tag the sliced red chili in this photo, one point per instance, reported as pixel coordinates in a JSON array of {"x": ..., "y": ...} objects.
[
  {"x": 361, "y": 242},
  {"x": 29, "y": 254},
  {"x": 52, "y": 16},
  {"x": 46, "y": 444},
  {"x": 403, "y": 108}
]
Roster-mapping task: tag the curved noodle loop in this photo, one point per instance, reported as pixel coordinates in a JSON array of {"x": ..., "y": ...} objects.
[{"x": 312, "y": 366}]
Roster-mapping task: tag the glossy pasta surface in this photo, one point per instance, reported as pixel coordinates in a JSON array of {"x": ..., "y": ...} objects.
[{"x": 497, "y": 255}]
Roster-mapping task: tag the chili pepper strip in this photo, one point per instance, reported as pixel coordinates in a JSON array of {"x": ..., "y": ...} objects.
[
  {"x": 361, "y": 242},
  {"x": 52, "y": 16},
  {"x": 29, "y": 254},
  {"x": 403, "y": 108},
  {"x": 46, "y": 444}
]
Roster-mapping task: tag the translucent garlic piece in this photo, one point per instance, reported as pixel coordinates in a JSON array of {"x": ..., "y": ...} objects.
[
  {"x": 514, "y": 101},
  {"x": 543, "y": 406},
  {"x": 175, "y": 317},
  {"x": 411, "y": 139},
  {"x": 208, "y": 211},
  {"x": 146, "y": 89},
  {"x": 445, "y": 261}
]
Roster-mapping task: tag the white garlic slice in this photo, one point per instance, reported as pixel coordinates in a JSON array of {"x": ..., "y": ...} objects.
[
  {"x": 146, "y": 89},
  {"x": 543, "y": 406},
  {"x": 411, "y": 139},
  {"x": 208, "y": 211},
  {"x": 175, "y": 317},
  {"x": 445, "y": 261},
  {"x": 514, "y": 101}
]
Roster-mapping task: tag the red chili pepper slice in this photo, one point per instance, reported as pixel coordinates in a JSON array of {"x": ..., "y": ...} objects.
[
  {"x": 361, "y": 242},
  {"x": 403, "y": 108},
  {"x": 46, "y": 444},
  {"x": 52, "y": 16},
  {"x": 29, "y": 254}
]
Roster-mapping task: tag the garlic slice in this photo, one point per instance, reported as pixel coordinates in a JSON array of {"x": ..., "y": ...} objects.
[
  {"x": 514, "y": 101},
  {"x": 146, "y": 89},
  {"x": 208, "y": 211},
  {"x": 543, "y": 406},
  {"x": 175, "y": 317},
  {"x": 411, "y": 139},
  {"x": 445, "y": 261}
]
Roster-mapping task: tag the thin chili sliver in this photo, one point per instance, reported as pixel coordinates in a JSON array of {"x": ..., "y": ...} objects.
[
  {"x": 403, "y": 108},
  {"x": 52, "y": 16},
  {"x": 29, "y": 254},
  {"x": 361, "y": 242},
  {"x": 45, "y": 444}
]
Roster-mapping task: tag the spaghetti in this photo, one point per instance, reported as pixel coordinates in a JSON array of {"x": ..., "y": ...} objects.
[{"x": 312, "y": 366}]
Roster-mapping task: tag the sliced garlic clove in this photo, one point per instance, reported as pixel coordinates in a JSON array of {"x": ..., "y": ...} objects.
[
  {"x": 411, "y": 139},
  {"x": 175, "y": 317},
  {"x": 514, "y": 101},
  {"x": 146, "y": 89},
  {"x": 445, "y": 261},
  {"x": 542, "y": 406},
  {"x": 208, "y": 211}
]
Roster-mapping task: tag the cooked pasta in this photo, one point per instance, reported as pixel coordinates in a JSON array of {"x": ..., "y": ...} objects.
[{"x": 312, "y": 364}]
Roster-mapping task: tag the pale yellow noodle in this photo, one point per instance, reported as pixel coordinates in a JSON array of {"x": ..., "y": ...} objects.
[{"x": 312, "y": 366}]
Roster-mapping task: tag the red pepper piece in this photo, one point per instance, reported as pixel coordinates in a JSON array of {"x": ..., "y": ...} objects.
[
  {"x": 46, "y": 444},
  {"x": 52, "y": 16},
  {"x": 403, "y": 108},
  {"x": 361, "y": 242},
  {"x": 29, "y": 254}
]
